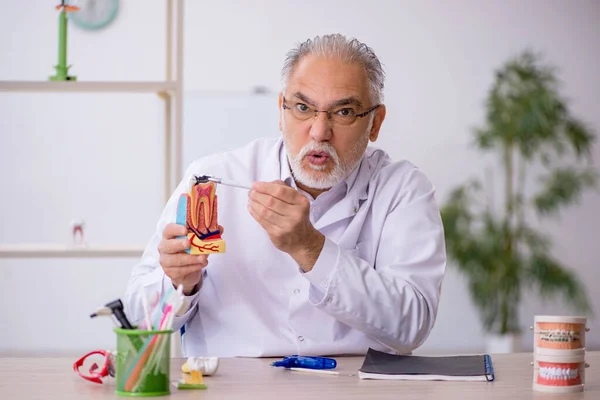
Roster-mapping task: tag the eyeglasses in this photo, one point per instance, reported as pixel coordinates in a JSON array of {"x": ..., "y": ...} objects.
[
  {"x": 342, "y": 115},
  {"x": 97, "y": 372}
]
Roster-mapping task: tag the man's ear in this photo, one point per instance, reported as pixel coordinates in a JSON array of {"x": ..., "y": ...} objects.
[
  {"x": 377, "y": 121},
  {"x": 280, "y": 105}
]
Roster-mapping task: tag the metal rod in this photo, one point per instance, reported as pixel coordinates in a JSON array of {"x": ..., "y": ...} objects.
[{"x": 227, "y": 182}]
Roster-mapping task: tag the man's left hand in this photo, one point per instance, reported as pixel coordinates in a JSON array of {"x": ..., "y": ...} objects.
[{"x": 284, "y": 215}]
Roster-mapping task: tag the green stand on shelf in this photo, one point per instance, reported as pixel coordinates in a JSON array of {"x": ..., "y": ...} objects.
[{"x": 62, "y": 70}]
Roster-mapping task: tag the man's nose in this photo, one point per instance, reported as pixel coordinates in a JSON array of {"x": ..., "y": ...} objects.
[{"x": 320, "y": 129}]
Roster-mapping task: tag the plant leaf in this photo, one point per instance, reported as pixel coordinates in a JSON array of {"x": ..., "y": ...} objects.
[
  {"x": 562, "y": 187},
  {"x": 525, "y": 109},
  {"x": 553, "y": 278},
  {"x": 579, "y": 136},
  {"x": 534, "y": 241}
]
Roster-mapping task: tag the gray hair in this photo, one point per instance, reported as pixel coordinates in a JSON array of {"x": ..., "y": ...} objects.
[{"x": 348, "y": 50}]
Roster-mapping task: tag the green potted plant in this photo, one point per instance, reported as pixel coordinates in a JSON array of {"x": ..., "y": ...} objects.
[{"x": 544, "y": 155}]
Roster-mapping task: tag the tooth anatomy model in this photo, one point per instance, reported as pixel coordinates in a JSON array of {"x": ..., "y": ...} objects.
[{"x": 197, "y": 210}]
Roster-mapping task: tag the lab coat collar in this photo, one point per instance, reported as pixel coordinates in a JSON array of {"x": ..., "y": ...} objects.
[
  {"x": 285, "y": 173},
  {"x": 271, "y": 164},
  {"x": 357, "y": 193}
]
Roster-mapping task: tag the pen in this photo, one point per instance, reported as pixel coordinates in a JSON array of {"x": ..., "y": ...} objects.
[{"x": 314, "y": 371}]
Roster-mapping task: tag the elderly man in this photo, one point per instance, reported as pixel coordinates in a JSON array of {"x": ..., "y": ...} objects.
[{"x": 335, "y": 249}]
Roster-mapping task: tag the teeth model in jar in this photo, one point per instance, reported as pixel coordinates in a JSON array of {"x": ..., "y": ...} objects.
[
  {"x": 559, "y": 332},
  {"x": 563, "y": 373}
]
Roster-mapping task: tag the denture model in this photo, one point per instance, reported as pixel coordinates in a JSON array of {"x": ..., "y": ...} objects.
[
  {"x": 559, "y": 373},
  {"x": 560, "y": 333}
]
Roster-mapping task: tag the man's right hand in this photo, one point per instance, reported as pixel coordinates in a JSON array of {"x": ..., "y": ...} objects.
[{"x": 183, "y": 268}]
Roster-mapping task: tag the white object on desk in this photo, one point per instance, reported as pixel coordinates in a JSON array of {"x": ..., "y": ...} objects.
[
  {"x": 314, "y": 371},
  {"x": 206, "y": 365}
]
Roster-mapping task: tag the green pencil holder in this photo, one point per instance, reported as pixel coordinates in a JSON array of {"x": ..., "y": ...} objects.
[{"x": 143, "y": 362}]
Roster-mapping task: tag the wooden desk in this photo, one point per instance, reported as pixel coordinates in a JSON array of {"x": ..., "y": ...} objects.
[{"x": 53, "y": 378}]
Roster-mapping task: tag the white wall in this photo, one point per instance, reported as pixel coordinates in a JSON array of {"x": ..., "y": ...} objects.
[{"x": 439, "y": 58}]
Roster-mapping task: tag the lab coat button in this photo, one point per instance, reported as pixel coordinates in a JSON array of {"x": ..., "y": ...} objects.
[
  {"x": 301, "y": 338},
  {"x": 296, "y": 291}
]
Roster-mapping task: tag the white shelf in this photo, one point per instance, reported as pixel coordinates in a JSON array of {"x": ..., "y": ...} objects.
[
  {"x": 82, "y": 86},
  {"x": 35, "y": 250}
]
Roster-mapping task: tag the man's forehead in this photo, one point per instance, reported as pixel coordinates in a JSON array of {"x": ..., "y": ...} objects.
[{"x": 328, "y": 79}]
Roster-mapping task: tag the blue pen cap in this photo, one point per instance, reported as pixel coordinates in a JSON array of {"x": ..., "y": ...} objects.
[{"x": 306, "y": 362}]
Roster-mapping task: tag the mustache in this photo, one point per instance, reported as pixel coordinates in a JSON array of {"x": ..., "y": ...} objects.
[{"x": 315, "y": 146}]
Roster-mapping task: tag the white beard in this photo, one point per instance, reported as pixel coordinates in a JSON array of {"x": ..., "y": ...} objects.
[{"x": 316, "y": 179}]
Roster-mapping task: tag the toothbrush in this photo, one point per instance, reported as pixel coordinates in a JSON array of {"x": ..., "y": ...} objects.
[{"x": 146, "y": 313}]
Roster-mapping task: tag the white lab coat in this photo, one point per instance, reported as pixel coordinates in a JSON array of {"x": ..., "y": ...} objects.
[{"x": 376, "y": 283}]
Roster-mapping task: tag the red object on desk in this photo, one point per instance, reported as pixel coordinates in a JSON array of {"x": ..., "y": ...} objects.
[{"x": 95, "y": 375}]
